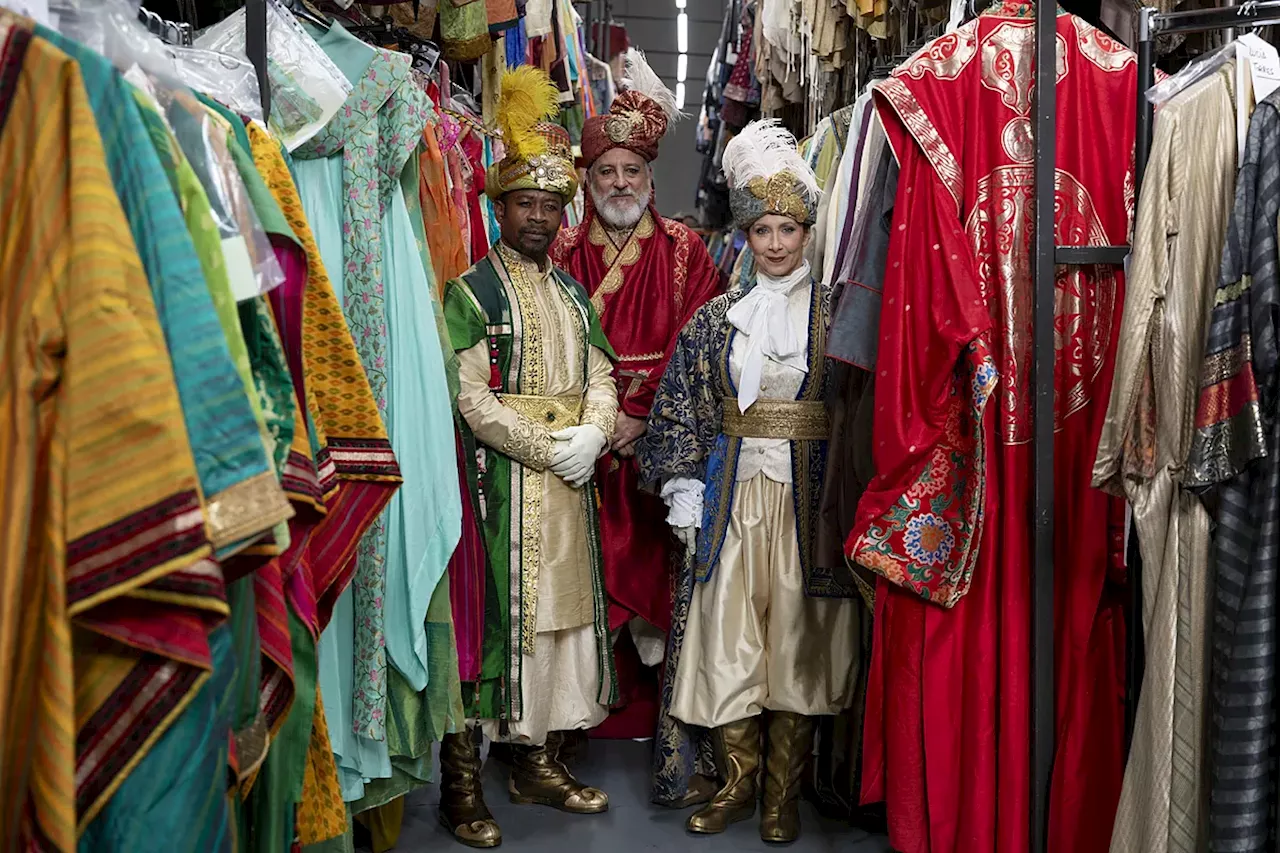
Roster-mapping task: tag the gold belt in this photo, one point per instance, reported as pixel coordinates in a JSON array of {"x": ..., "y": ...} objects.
[
  {"x": 795, "y": 420},
  {"x": 552, "y": 412}
]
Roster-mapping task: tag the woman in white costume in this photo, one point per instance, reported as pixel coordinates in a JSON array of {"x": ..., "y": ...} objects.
[{"x": 737, "y": 439}]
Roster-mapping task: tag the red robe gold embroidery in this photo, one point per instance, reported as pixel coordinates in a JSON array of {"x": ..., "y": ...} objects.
[{"x": 946, "y": 521}]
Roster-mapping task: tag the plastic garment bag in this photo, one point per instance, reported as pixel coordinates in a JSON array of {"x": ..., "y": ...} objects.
[{"x": 307, "y": 89}]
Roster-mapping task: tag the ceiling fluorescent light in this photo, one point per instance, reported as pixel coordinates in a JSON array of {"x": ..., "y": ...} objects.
[
  {"x": 682, "y": 67},
  {"x": 679, "y": 96},
  {"x": 682, "y": 33}
]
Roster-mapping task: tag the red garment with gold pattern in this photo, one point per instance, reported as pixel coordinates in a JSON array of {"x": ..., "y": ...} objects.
[
  {"x": 645, "y": 291},
  {"x": 946, "y": 523}
]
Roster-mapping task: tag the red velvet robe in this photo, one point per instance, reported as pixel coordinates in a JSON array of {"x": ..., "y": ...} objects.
[
  {"x": 946, "y": 523},
  {"x": 645, "y": 291}
]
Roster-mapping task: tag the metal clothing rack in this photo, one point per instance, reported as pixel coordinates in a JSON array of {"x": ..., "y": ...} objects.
[
  {"x": 255, "y": 45},
  {"x": 1046, "y": 255}
]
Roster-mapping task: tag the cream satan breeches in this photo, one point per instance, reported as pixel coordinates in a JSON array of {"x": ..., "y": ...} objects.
[
  {"x": 754, "y": 641},
  {"x": 560, "y": 685}
]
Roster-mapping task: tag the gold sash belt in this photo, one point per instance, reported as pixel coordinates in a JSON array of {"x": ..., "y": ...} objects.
[
  {"x": 551, "y": 412},
  {"x": 795, "y": 420}
]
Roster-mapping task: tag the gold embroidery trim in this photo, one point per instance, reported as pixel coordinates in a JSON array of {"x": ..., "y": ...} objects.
[
  {"x": 794, "y": 420},
  {"x": 926, "y": 135},
  {"x": 529, "y": 443},
  {"x": 647, "y": 356},
  {"x": 530, "y": 438},
  {"x": 617, "y": 259},
  {"x": 247, "y": 508},
  {"x": 549, "y": 413},
  {"x": 602, "y": 416}
]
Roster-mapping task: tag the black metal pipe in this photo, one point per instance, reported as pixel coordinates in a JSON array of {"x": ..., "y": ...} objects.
[
  {"x": 1146, "y": 76},
  {"x": 255, "y": 45},
  {"x": 1257, "y": 14},
  {"x": 1043, "y": 280}
]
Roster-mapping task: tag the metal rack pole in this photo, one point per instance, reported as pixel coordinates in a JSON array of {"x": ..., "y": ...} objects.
[
  {"x": 1043, "y": 276},
  {"x": 255, "y": 45}
]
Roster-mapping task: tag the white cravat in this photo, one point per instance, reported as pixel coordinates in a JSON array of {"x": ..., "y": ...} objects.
[{"x": 761, "y": 315}]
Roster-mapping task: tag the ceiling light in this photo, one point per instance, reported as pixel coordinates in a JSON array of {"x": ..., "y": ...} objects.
[
  {"x": 682, "y": 67},
  {"x": 680, "y": 4},
  {"x": 679, "y": 96},
  {"x": 682, "y": 33}
]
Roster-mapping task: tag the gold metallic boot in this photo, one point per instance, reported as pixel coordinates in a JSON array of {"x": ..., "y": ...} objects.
[
  {"x": 538, "y": 777},
  {"x": 738, "y": 754},
  {"x": 790, "y": 741},
  {"x": 462, "y": 808}
]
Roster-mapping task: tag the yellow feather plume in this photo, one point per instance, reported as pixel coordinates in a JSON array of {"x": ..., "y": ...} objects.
[{"x": 528, "y": 96}]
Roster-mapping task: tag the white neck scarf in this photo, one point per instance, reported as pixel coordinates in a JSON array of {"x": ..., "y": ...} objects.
[{"x": 761, "y": 315}]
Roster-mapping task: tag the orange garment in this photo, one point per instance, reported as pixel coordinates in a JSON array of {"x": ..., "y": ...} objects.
[{"x": 439, "y": 214}]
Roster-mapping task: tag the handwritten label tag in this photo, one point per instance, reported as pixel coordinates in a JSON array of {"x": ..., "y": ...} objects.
[
  {"x": 36, "y": 10},
  {"x": 1264, "y": 64}
]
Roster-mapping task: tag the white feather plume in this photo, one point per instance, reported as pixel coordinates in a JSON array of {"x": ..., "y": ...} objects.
[
  {"x": 763, "y": 149},
  {"x": 641, "y": 78}
]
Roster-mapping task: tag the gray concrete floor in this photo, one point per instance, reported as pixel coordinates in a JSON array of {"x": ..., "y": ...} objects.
[{"x": 632, "y": 824}]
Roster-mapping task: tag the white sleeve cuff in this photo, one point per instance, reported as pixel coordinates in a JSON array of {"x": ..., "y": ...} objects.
[{"x": 683, "y": 497}]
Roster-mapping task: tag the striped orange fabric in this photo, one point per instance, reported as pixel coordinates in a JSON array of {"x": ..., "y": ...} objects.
[{"x": 97, "y": 467}]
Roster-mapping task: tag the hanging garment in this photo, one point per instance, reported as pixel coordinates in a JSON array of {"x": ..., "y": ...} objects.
[
  {"x": 644, "y": 286},
  {"x": 106, "y": 500},
  {"x": 943, "y": 522},
  {"x": 1236, "y": 447},
  {"x": 350, "y": 182},
  {"x": 1177, "y": 248}
]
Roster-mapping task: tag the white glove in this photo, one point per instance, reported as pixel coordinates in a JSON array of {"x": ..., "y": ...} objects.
[
  {"x": 576, "y": 451},
  {"x": 683, "y": 497}
]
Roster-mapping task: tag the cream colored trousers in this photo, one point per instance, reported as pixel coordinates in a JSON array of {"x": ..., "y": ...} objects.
[
  {"x": 754, "y": 641},
  {"x": 560, "y": 683}
]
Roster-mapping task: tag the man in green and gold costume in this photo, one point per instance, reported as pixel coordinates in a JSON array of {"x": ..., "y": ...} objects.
[{"x": 538, "y": 406}]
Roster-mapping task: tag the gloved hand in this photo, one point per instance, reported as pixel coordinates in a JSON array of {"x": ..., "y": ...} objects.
[
  {"x": 576, "y": 451},
  {"x": 683, "y": 497}
]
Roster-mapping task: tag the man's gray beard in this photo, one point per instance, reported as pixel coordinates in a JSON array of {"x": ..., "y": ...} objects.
[{"x": 613, "y": 220}]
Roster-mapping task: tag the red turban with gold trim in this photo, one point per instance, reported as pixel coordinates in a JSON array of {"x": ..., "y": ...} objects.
[{"x": 638, "y": 118}]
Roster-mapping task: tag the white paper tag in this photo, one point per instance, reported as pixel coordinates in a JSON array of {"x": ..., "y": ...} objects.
[
  {"x": 36, "y": 10},
  {"x": 244, "y": 285},
  {"x": 1264, "y": 63}
]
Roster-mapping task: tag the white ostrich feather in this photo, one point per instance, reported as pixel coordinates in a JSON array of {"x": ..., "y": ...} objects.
[
  {"x": 641, "y": 78},
  {"x": 763, "y": 149}
]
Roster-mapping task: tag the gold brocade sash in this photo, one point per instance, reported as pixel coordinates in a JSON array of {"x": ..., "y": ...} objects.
[
  {"x": 794, "y": 420},
  {"x": 552, "y": 412}
]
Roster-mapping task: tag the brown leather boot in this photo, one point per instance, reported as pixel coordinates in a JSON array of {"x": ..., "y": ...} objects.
[
  {"x": 790, "y": 741},
  {"x": 738, "y": 754},
  {"x": 538, "y": 777},
  {"x": 462, "y": 808}
]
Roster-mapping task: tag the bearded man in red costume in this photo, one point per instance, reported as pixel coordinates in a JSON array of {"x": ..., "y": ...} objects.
[{"x": 646, "y": 276}]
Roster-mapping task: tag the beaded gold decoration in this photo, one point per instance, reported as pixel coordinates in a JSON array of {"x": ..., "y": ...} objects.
[{"x": 781, "y": 195}]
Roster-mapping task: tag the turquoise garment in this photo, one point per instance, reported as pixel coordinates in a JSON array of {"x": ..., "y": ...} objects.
[
  {"x": 348, "y": 176},
  {"x": 175, "y": 800},
  {"x": 220, "y": 424}
]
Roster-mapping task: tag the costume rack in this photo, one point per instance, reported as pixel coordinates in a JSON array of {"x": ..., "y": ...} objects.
[{"x": 1046, "y": 255}]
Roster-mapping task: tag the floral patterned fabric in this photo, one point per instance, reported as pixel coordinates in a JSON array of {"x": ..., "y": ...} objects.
[{"x": 374, "y": 133}]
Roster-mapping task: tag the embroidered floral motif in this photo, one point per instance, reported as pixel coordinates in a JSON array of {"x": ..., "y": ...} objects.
[
  {"x": 374, "y": 132},
  {"x": 929, "y": 539},
  {"x": 931, "y": 546}
]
